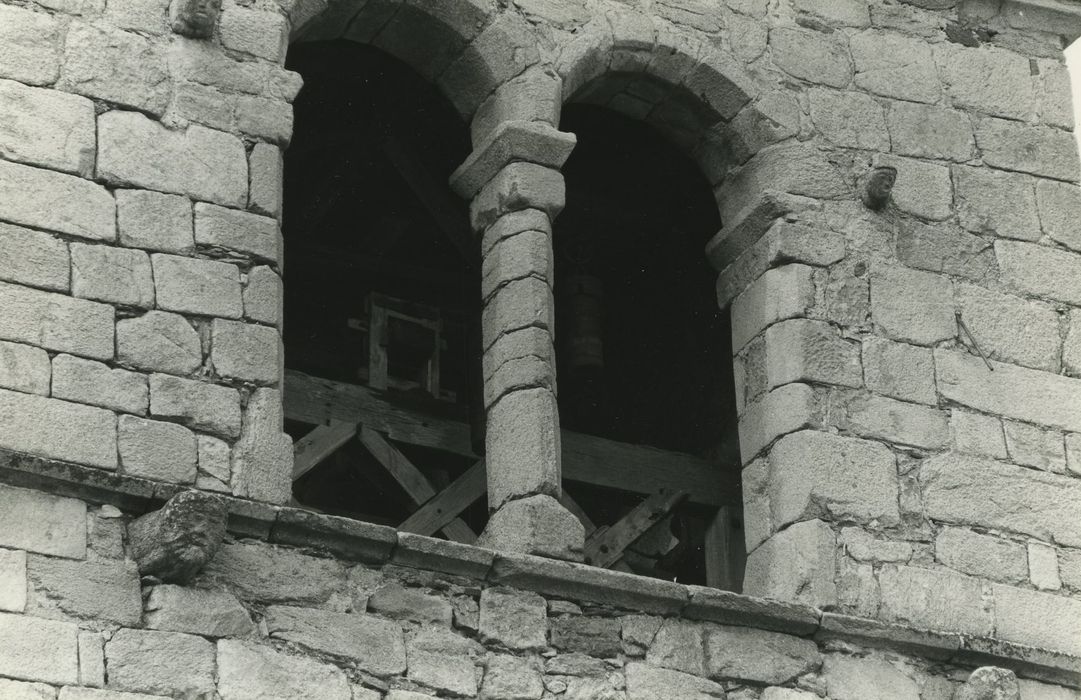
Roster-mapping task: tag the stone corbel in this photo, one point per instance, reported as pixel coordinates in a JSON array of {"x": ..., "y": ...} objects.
[
  {"x": 194, "y": 18},
  {"x": 173, "y": 544}
]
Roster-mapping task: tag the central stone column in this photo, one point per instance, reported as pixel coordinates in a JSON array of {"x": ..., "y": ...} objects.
[{"x": 516, "y": 189}]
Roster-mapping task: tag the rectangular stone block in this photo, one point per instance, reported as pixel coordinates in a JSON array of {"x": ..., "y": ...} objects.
[
  {"x": 1035, "y": 447},
  {"x": 12, "y": 580},
  {"x": 949, "y": 249},
  {"x": 91, "y": 659},
  {"x": 783, "y": 410},
  {"x": 29, "y": 46},
  {"x": 1040, "y": 150},
  {"x": 1039, "y": 270},
  {"x": 811, "y": 56},
  {"x": 57, "y": 429},
  {"x": 210, "y": 613},
  {"x": 48, "y": 128},
  {"x": 117, "y": 66},
  {"x": 56, "y": 322},
  {"x": 38, "y": 522},
  {"x": 528, "y": 254},
  {"x": 198, "y": 162},
  {"x": 106, "y": 590},
  {"x": 375, "y": 645},
  {"x": 521, "y": 304},
  {"x": 265, "y": 119},
  {"x": 247, "y": 670},
  {"x": 263, "y": 457},
  {"x": 261, "y": 34},
  {"x": 154, "y": 221},
  {"x": 199, "y": 405},
  {"x": 802, "y": 350},
  {"x": 157, "y": 450},
  {"x": 986, "y": 79},
  {"x": 159, "y": 341},
  {"x": 912, "y": 306},
  {"x": 523, "y": 446},
  {"x": 246, "y": 351},
  {"x": 976, "y": 491},
  {"x": 39, "y": 650},
  {"x": 238, "y": 230},
  {"x": 780, "y": 293},
  {"x": 1060, "y": 209},
  {"x": 894, "y": 65},
  {"x": 1042, "y": 620},
  {"x": 263, "y": 296},
  {"x": 1009, "y": 328},
  {"x": 34, "y": 258},
  {"x": 997, "y": 202},
  {"x": 849, "y": 119},
  {"x": 1043, "y": 567},
  {"x": 162, "y": 663},
  {"x": 116, "y": 275},
  {"x": 86, "y": 381},
  {"x": 268, "y": 574},
  {"x": 57, "y": 202},
  {"x": 24, "y": 368},
  {"x": 196, "y": 286},
  {"x": 983, "y": 556},
  {"x": 934, "y": 600},
  {"x": 923, "y": 131},
  {"x": 265, "y": 180},
  {"x": 881, "y": 418},
  {"x": 795, "y": 564},
  {"x": 1015, "y": 392},
  {"x": 898, "y": 370},
  {"x": 977, "y": 434}
]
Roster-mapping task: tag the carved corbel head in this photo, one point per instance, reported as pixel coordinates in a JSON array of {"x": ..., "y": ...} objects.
[
  {"x": 878, "y": 187},
  {"x": 174, "y": 543},
  {"x": 194, "y": 18}
]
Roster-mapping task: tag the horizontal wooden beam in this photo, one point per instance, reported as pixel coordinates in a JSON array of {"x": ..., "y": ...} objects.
[{"x": 586, "y": 459}]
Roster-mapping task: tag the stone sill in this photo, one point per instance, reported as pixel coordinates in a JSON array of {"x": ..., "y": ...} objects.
[{"x": 377, "y": 544}]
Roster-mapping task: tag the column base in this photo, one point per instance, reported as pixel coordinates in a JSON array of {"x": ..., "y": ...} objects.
[{"x": 537, "y": 525}]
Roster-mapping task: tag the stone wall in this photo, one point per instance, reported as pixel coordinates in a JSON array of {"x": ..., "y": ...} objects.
[{"x": 422, "y": 618}]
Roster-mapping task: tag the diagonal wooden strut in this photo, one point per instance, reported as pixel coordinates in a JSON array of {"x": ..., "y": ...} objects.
[
  {"x": 310, "y": 450},
  {"x": 449, "y": 502},
  {"x": 606, "y": 546}
]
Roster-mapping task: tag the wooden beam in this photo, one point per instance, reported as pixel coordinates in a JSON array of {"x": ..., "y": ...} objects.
[
  {"x": 590, "y": 526},
  {"x": 310, "y": 450},
  {"x": 412, "y": 481},
  {"x": 448, "y": 503},
  {"x": 723, "y": 546},
  {"x": 605, "y": 548},
  {"x": 587, "y": 459}
]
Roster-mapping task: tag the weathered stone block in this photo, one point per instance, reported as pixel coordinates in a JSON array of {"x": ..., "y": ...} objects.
[
  {"x": 528, "y": 141},
  {"x": 1035, "y": 447},
  {"x": 1042, "y": 620},
  {"x": 1043, "y": 567},
  {"x": 12, "y": 580},
  {"x": 518, "y": 186},
  {"x": 595, "y": 636},
  {"x": 204, "y": 287},
  {"x": 947, "y": 248},
  {"x": 264, "y": 573},
  {"x": 157, "y": 450},
  {"x": 934, "y": 599},
  {"x": 116, "y": 275},
  {"x": 759, "y": 656},
  {"x": 977, "y": 434},
  {"x": 850, "y": 119},
  {"x": 266, "y": 119},
  {"x": 894, "y": 65},
  {"x": 802, "y": 350},
  {"x": 820, "y": 475},
  {"x": 862, "y": 546},
  {"x": 441, "y": 659},
  {"x": 859, "y": 678},
  {"x": 922, "y": 189},
  {"x": 513, "y": 618},
  {"x": 197, "y": 611},
  {"x": 375, "y": 645},
  {"x": 781, "y": 411},
  {"x": 524, "y": 303},
  {"x": 57, "y": 202},
  {"x": 997, "y": 202},
  {"x": 757, "y": 518},
  {"x": 248, "y": 671},
  {"x": 19, "y": 690},
  {"x": 237, "y": 230},
  {"x": 197, "y": 162},
  {"x": 90, "y": 382},
  {"x": 899, "y": 370},
  {"x": 246, "y": 351},
  {"x": 263, "y": 296},
  {"x": 145, "y": 16},
  {"x": 649, "y": 683},
  {"x": 24, "y": 368},
  {"x": 38, "y": 522},
  {"x": 47, "y": 128},
  {"x": 57, "y": 429},
  {"x": 899, "y": 422},
  {"x": 528, "y": 254},
  {"x": 844, "y": 13},
  {"x": 812, "y": 56},
  {"x": 265, "y": 180},
  {"x": 986, "y": 79},
  {"x": 984, "y": 556},
  {"x": 261, "y": 34},
  {"x": 92, "y": 660},
  {"x": 263, "y": 457},
  {"x": 523, "y": 446},
  {"x": 973, "y": 491},
  {"x": 1040, "y": 150},
  {"x": 780, "y": 293},
  {"x": 39, "y": 650},
  {"x": 1040, "y": 270},
  {"x": 159, "y": 341},
  {"x": 1060, "y": 208},
  {"x": 154, "y": 221},
  {"x": 34, "y": 258},
  {"x": 397, "y": 602},
  {"x": 923, "y": 131},
  {"x": 98, "y": 590},
  {"x": 680, "y": 646},
  {"x": 511, "y": 678},
  {"x": 199, "y": 405},
  {"x": 795, "y": 564},
  {"x": 912, "y": 306},
  {"x": 989, "y": 683},
  {"x": 1011, "y": 329},
  {"x": 163, "y": 663},
  {"x": 117, "y": 66},
  {"x": 30, "y": 50}
]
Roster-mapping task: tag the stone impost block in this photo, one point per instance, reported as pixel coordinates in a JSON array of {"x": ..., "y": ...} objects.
[
  {"x": 970, "y": 490},
  {"x": 523, "y": 446},
  {"x": 265, "y": 180},
  {"x": 535, "y": 95},
  {"x": 922, "y": 131},
  {"x": 375, "y": 645},
  {"x": 802, "y": 350},
  {"x": 39, "y": 650},
  {"x": 1042, "y": 620},
  {"x": 987, "y": 79},
  {"x": 899, "y": 370},
  {"x": 984, "y": 556},
  {"x": 263, "y": 457},
  {"x": 154, "y": 221},
  {"x": 24, "y": 368},
  {"x": 934, "y": 599},
  {"x": 518, "y": 186},
  {"x": 1040, "y": 150},
  {"x": 1011, "y": 329},
  {"x": 157, "y": 450},
  {"x": 783, "y": 410},
  {"x": 55, "y": 201},
  {"x": 537, "y": 525},
  {"x": 197, "y": 611},
  {"x": 997, "y": 202},
  {"x": 237, "y": 231},
  {"x": 261, "y": 34},
  {"x": 90, "y": 382},
  {"x": 800, "y": 169},
  {"x": 247, "y": 670},
  {"x": 162, "y": 663},
  {"x": 116, "y": 66},
  {"x": 106, "y": 590},
  {"x": 47, "y": 128},
  {"x": 855, "y": 678},
  {"x": 780, "y": 293},
  {"x": 795, "y": 564},
  {"x": 245, "y": 351},
  {"x": 850, "y": 119},
  {"x": 203, "y": 287},
  {"x": 1015, "y": 392},
  {"x": 1040, "y": 270},
  {"x": 12, "y": 580},
  {"x": 159, "y": 341},
  {"x": 31, "y": 46},
  {"x": 893, "y": 65},
  {"x": 263, "y": 296},
  {"x": 199, "y": 405},
  {"x": 812, "y": 56},
  {"x": 524, "y": 303},
  {"x": 197, "y": 162},
  {"x": 757, "y": 655},
  {"x": 912, "y": 306},
  {"x": 825, "y": 476},
  {"x": 881, "y": 418},
  {"x": 38, "y": 522},
  {"x": 513, "y": 618},
  {"x": 512, "y": 141},
  {"x": 115, "y": 275},
  {"x": 57, "y": 429},
  {"x": 528, "y": 254},
  {"x": 34, "y": 258}
]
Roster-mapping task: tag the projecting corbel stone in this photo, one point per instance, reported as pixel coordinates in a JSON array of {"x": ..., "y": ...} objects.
[
  {"x": 194, "y": 18},
  {"x": 989, "y": 683},
  {"x": 174, "y": 543}
]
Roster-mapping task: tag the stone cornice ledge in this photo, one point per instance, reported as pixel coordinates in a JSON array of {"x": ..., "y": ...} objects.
[
  {"x": 377, "y": 544},
  {"x": 1061, "y": 17}
]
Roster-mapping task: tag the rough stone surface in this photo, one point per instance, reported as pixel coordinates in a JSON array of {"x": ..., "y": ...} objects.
[
  {"x": 157, "y": 450},
  {"x": 38, "y": 522},
  {"x": 514, "y": 619},
  {"x": 98, "y": 590},
  {"x": 199, "y": 405},
  {"x": 90, "y": 382},
  {"x": 375, "y": 645},
  {"x": 12, "y": 580},
  {"x": 110, "y": 274},
  {"x": 245, "y": 351},
  {"x": 116, "y": 66},
  {"x": 154, "y": 221},
  {"x": 203, "y": 287},
  {"x": 176, "y": 541},
  {"x": 912, "y": 306},
  {"x": 754, "y": 655},
  {"x": 523, "y": 444},
  {"x": 56, "y": 202},
  {"x": 1035, "y": 447},
  {"x": 986, "y": 79},
  {"x": 195, "y": 611},
  {"x": 980, "y": 555},
  {"x": 30, "y": 423},
  {"x": 441, "y": 659},
  {"x": 31, "y": 46},
  {"x": 856, "y": 678},
  {"x": 39, "y": 650},
  {"x": 780, "y": 293},
  {"x": 46, "y": 128},
  {"x": 894, "y": 65},
  {"x": 922, "y": 189},
  {"x": 1038, "y": 150},
  {"x": 649, "y": 683},
  {"x": 1041, "y": 271},
  {"x": 898, "y": 422},
  {"x": 395, "y": 601},
  {"x": 511, "y": 678},
  {"x": 238, "y": 231},
  {"x": 1060, "y": 206},
  {"x": 198, "y": 162},
  {"x": 263, "y": 456},
  {"x": 997, "y": 202},
  {"x": 19, "y": 690},
  {"x": 265, "y": 179},
  {"x": 537, "y": 525},
  {"x": 1043, "y": 567},
  {"x": 850, "y": 119},
  {"x": 274, "y": 575},
  {"x": 989, "y": 683},
  {"x": 902, "y": 371},
  {"x": 977, "y": 434},
  {"x": 595, "y": 636},
  {"x": 1059, "y": 616},
  {"x": 263, "y": 296},
  {"x": 811, "y": 56},
  {"x": 923, "y": 131},
  {"x": 262, "y": 34},
  {"x": 166, "y": 663},
  {"x": 795, "y": 564},
  {"x": 24, "y": 368},
  {"x": 1011, "y": 329},
  {"x": 159, "y": 341},
  {"x": 783, "y": 410},
  {"x": 34, "y": 258},
  {"x": 802, "y": 350},
  {"x": 680, "y": 646}
]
